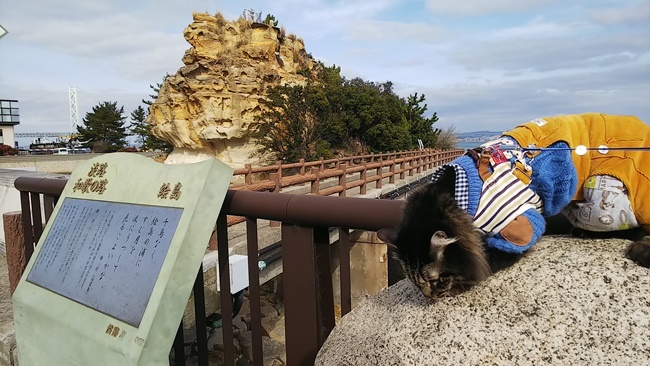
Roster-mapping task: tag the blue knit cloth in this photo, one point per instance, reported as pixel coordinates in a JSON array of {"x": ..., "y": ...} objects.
[{"x": 554, "y": 178}]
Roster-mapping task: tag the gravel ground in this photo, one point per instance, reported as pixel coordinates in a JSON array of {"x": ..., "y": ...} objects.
[{"x": 6, "y": 314}]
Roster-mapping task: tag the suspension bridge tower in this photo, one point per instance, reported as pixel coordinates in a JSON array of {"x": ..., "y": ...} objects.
[{"x": 74, "y": 109}]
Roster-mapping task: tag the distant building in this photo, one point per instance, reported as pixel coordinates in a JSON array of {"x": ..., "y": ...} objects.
[{"x": 9, "y": 117}]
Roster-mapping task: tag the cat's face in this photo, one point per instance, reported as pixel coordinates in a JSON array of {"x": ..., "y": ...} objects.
[{"x": 440, "y": 250}]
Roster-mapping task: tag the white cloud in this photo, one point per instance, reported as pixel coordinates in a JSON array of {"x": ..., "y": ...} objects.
[
  {"x": 539, "y": 27},
  {"x": 632, "y": 16},
  {"x": 482, "y": 7},
  {"x": 551, "y": 54},
  {"x": 472, "y": 106},
  {"x": 377, "y": 31}
]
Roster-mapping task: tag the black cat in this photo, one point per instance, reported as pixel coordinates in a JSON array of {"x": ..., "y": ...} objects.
[{"x": 444, "y": 254}]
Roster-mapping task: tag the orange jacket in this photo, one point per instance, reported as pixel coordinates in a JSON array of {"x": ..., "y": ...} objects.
[{"x": 631, "y": 167}]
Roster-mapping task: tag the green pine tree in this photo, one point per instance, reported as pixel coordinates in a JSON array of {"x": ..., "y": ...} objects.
[
  {"x": 104, "y": 128},
  {"x": 143, "y": 129},
  {"x": 139, "y": 127}
]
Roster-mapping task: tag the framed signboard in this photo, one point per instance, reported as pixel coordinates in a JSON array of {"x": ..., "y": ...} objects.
[{"x": 111, "y": 275}]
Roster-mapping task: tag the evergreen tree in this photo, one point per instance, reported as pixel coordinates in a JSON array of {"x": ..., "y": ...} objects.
[
  {"x": 270, "y": 20},
  {"x": 104, "y": 128},
  {"x": 156, "y": 90},
  {"x": 419, "y": 126},
  {"x": 291, "y": 126},
  {"x": 336, "y": 115},
  {"x": 143, "y": 129},
  {"x": 138, "y": 126}
]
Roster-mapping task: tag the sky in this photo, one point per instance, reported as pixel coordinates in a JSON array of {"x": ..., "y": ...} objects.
[{"x": 482, "y": 64}]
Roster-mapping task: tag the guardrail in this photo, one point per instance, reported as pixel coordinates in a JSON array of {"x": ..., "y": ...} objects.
[{"x": 282, "y": 175}]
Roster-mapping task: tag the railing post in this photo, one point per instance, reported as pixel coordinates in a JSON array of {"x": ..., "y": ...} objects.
[
  {"x": 411, "y": 166},
  {"x": 391, "y": 169},
  {"x": 254, "y": 290},
  {"x": 418, "y": 162},
  {"x": 199, "y": 318},
  {"x": 279, "y": 164},
  {"x": 344, "y": 260},
  {"x": 362, "y": 177},
  {"x": 276, "y": 177},
  {"x": 28, "y": 229},
  {"x": 302, "y": 166},
  {"x": 248, "y": 177},
  {"x": 322, "y": 163},
  {"x": 308, "y": 299},
  {"x": 224, "y": 285},
  {"x": 315, "y": 184},
  {"x": 402, "y": 166},
  {"x": 380, "y": 172},
  {"x": 343, "y": 179}
]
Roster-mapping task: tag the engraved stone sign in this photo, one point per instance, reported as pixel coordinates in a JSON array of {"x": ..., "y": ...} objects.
[
  {"x": 114, "y": 268},
  {"x": 106, "y": 255}
]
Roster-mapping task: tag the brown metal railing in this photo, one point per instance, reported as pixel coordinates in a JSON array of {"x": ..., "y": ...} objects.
[
  {"x": 351, "y": 172},
  {"x": 280, "y": 175},
  {"x": 306, "y": 256}
]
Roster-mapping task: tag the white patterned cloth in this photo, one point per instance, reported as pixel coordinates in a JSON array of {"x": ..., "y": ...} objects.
[{"x": 606, "y": 206}]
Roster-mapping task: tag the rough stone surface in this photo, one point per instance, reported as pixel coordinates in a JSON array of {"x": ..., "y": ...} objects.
[
  {"x": 8, "y": 353},
  {"x": 570, "y": 302},
  {"x": 207, "y": 107},
  {"x": 14, "y": 246}
]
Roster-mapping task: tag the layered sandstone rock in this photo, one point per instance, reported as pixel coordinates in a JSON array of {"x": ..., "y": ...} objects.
[{"x": 206, "y": 108}]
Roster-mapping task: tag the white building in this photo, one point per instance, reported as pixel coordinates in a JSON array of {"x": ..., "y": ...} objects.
[{"x": 9, "y": 117}]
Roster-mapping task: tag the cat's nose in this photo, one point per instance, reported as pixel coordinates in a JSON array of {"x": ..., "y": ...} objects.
[{"x": 431, "y": 274}]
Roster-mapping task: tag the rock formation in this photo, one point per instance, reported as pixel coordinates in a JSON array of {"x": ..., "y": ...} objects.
[
  {"x": 569, "y": 302},
  {"x": 206, "y": 108}
]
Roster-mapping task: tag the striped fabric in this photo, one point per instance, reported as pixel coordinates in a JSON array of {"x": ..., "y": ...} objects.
[{"x": 503, "y": 198}]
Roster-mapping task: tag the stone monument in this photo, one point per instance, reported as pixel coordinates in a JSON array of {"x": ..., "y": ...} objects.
[{"x": 110, "y": 277}]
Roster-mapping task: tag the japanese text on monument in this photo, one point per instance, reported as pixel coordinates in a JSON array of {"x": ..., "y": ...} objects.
[{"x": 106, "y": 255}]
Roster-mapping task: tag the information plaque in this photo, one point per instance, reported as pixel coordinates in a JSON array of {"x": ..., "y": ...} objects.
[
  {"x": 106, "y": 255},
  {"x": 114, "y": 267}
]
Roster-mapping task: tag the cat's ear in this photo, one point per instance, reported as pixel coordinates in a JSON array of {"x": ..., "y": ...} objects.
[
  {"x": 439, "y": 240},
  {"x": 388, "y": 236}
]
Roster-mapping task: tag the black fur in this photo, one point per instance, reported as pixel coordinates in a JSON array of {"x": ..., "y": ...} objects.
[{"x": 451, "y": 268}]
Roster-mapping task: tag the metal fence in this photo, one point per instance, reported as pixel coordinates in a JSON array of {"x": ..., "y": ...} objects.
[{"x": 306, "y": 255}]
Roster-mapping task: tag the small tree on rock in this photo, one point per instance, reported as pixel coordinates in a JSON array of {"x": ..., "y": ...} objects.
[{"x": 143, "y": 129}]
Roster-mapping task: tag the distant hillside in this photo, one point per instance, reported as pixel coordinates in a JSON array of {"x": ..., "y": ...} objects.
[{"x": 478, "y": 135}]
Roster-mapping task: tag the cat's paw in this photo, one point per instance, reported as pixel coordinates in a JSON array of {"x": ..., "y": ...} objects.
[{"x": 639, "y": 251}]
